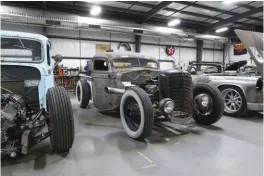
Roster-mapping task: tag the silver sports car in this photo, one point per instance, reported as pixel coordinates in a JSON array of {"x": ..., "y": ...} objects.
[{"x": 241, "y": 91}]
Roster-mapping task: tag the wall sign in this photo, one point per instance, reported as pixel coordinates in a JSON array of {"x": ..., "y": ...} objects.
[
  {"x": 101, "y": 48},
  {"x": 239, "y": 49},
  {"x": 170, "y": 50},
  {"x": 124, "y": 45}
]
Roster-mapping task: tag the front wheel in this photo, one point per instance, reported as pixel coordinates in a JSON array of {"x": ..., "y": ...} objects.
[
  {"x": 209, "y": 102},
  {"x": 61, "y": 119},
  {"x": 137, "y": 114},
  {"x": 235, "y": 103}
]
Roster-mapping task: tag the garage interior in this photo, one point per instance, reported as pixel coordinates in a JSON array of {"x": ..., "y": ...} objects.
[{"x": 181, "y": 31}]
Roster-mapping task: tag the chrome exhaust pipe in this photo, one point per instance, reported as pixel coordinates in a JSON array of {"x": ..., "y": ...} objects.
[{"x": 114, "y": 90}]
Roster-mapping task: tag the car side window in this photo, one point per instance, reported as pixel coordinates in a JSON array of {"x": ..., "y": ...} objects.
[
  {"x": 100, "y": 65},
  {"x": 48, "y": 54}
]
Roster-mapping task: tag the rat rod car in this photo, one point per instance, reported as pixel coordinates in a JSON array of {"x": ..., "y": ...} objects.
[
  {"x": 241, "y": 91},
  {"x": 32, "y": 107},
  {"x": 146, "y": 95}
]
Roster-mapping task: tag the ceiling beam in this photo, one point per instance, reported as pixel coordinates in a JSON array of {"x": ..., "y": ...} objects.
[
  {"x": 84, "y": 11},
  {"x": 216, "y": 10},
  {"x": 185, "y": 12},
  {"x": 139, "y": 15},
  {"x": 235, "y": 18},
  {"x": 155, "y": 10},
  {"x": 247, "y": 6}
]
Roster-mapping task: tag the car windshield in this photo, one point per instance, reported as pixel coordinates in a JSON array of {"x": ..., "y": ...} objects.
[
  {"x": 20, "y": 50},
  {"x": 203, "y": 69},
  {"x": 134, "y": 62}
]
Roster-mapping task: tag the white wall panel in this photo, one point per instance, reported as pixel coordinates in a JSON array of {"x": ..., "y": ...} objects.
[
  {"x": 168, "y": 41},
  {"x": 186, "y": 55},
  {"x": 65, "y": 47},
  {"x": 147, "y": 39},
  {"x": 21, "y": 28},
  {"x": 122, "y": 37},
  {"x": 95, "y": 34},
  {"x": 64, "y": 32},
  {"x": 150, "y": 50},
  {"x": 72, "y": 63}
]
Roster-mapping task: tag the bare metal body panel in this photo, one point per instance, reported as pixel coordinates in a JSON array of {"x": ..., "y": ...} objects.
[
  {"x": 117, "y": 78},
  {"x": 246, "y": 83}
]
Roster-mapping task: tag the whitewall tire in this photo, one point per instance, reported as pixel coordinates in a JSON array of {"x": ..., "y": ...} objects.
[
  {"x": 83, "y": 93},
  {"x": 136, "y": 113}
]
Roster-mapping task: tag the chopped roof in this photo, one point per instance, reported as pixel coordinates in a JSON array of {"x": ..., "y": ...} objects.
[{"x": 114, "y": 55}]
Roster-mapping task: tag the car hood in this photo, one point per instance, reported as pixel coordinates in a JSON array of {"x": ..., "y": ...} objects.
[
  {"x": 236, "y": 65},
  {"x": 138, "y": 74},
  {"x": 254, "y": 44}
]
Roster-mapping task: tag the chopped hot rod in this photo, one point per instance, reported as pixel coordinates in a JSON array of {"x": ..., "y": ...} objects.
[{"x": 145, "y": 95}]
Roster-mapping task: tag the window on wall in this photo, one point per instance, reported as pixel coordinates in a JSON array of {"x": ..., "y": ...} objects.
[{"x": 100, "y": 64}]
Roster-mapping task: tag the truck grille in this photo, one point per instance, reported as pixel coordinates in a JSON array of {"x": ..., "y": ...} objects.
[{"x": 178, "y": 86}]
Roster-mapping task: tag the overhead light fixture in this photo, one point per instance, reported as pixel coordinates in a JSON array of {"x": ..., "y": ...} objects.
[
  {"x": 228, "y": 2},
  {"x": 174, "y": 22},
  {"x": 221, "y": 30},
  {"x": 96, "y": 10}
]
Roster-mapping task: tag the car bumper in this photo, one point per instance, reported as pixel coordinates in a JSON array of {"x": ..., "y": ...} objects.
[{"x": 255, "y": 106}]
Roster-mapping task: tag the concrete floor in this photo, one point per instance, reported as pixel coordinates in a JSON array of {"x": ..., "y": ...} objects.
[{"x": 233, "y": 146}]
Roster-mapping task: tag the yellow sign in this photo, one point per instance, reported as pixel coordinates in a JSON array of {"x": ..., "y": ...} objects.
[{"x": 101, "y": 48}]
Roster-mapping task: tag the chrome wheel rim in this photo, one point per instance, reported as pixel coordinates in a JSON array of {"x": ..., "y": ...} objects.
[{"x": 233, "y": 100}]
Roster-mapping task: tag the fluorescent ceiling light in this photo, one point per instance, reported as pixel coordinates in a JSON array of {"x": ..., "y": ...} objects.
[
  {"x": 96, "y": 10},
  {"x": 174, "y": 22},
  {"x": 221, "y": 30},
  {"x": 89, "y": 20},
  {"x": 228, "y": 2}
]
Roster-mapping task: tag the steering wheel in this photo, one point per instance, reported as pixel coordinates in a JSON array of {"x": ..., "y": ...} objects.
[{"x": 194, "y": 72}]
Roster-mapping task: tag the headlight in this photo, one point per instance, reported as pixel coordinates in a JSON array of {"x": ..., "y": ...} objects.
[
  {"x": 31, "y": 83},
  {"x": 204, "y": 101},
  {"x": 167, "y": 105}
]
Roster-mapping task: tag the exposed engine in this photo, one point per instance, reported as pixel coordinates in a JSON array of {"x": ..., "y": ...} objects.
[
  {"x": 174, "y": 84},
  {"x": 13, "y": 114}
]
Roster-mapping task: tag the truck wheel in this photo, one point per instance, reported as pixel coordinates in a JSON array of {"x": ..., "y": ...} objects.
[
  {"x": 211, "y": 108},
  {"x": 60, "y": 119},
  {"x": 137, "y": 114},
  {"x": 235, "y": 103},
  {"x": 83, "y": 93}
]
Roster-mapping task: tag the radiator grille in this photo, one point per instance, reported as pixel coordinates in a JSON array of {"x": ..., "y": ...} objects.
[{"x": 178, "y": 86}]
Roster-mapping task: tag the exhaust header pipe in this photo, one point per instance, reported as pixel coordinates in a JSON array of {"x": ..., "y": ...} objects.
[{"x": 114, "y": 90}]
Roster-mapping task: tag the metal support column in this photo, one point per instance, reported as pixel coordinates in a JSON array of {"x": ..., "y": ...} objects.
[
  {"x": 138, "y": 43},
  {"x": 199, "y": 52},
  {"x": 44, "y": 30}
]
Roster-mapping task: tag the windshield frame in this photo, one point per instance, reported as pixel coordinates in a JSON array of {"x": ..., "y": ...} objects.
[
  {"x": 218, "y": 66},
  {"x": 42, "y": 48},
  {"x": 136, "y": 66}
]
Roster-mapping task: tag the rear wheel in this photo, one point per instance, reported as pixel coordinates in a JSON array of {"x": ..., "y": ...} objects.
[
  {"x": 137, "y": 113},
  {"x": 83, "y": 93},
  {"x": 235, "y": 103},
  {"x": 209, "y": 102},
  {"x": 61, "y": 119}
]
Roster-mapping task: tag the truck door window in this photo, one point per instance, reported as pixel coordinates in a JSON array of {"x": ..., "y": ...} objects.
[
  {"x": 48, "y": 54},
  {"x": 101, "y": 65}
]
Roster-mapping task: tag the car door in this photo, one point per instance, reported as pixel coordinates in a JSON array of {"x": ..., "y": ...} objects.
[{"x": 103, "y": 76}]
